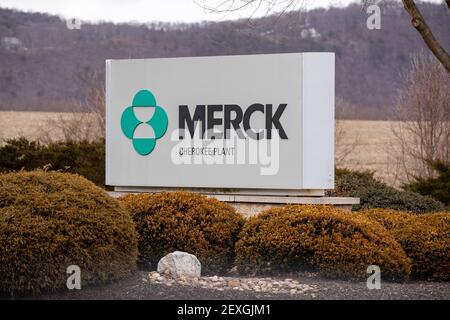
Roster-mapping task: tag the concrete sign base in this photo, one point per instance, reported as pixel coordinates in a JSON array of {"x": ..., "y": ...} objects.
[{"x": 250, "y": 205}]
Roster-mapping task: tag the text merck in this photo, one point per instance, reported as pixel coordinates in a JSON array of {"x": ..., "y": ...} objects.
[{"x": 226, "y": 117}]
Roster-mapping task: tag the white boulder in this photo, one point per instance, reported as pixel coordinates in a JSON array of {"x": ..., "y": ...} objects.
[{"x": 180, "y": 264}]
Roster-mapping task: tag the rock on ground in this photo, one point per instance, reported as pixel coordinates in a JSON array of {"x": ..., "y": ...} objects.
[{"x": 180, "y": 264}]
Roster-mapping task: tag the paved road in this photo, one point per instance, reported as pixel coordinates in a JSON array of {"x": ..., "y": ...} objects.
[{"x": 137, "y": 288}]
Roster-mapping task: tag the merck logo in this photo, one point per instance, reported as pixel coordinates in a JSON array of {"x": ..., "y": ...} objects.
[{"x": 144, "y": 122}]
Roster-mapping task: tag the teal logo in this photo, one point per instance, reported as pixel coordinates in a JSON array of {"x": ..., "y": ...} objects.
[{"x": 144, "y": 122}]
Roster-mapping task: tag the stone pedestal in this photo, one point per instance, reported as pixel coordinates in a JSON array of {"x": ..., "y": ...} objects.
[{"x": 250, "y": 205}]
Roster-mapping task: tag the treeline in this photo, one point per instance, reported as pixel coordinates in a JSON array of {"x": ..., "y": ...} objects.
[{"x": 45, "y": 66}]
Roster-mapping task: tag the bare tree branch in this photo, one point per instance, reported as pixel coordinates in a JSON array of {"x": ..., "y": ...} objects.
[
  {"x": 272, "y": 6},
  {"x": 422, "y": 127},
  {"x": 422, "y": 27}
]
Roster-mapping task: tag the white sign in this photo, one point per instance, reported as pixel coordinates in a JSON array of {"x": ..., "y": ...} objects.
[{"x": 233, "y": 122}]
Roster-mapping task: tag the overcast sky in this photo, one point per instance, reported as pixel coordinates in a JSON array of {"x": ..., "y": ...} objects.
[
  {"x": 149, "y": 10},
  {"x": 143, "y": 10}
]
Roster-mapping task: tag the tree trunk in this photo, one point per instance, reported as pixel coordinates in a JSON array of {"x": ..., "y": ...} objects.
[{"x": 421, "y": 26}]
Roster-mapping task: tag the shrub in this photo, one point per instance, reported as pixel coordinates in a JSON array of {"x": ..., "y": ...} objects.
[
  {"x": 188, "y": 222},
  {"x": 84, "y": 158},
  {"x": 425, "y": 239},
  {"x": 323, "y": 238},
  {"x": 19, "y": 154},
  {"x": 50, "y": 220},
  {"x": 375, "y": 194},
  {"x": 437, "y": 187}
]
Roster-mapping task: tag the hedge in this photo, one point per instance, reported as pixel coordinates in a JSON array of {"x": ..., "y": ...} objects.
[
  {"x": 319, "y": 238},
  {"x": 84, "y": 158},
  {"x": 188, "y": 222},
  {"x": 50, "y": 220},
  {"x": 437, "y": 187},
  {"x": 375, "y": 194},
  {"x": 425, "y": 239}
]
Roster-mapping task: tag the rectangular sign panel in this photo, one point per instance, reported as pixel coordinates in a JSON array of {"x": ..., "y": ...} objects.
[{"x": 228, "y": 122}]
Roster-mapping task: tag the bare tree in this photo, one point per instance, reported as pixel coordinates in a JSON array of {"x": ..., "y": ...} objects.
[
  {"x": 69, "y": 126},
  {"x": 80, "y": 126},
  {"x": 345, "y": 143},
  {"x": 422, "y": 132},
  {"x": 281, "y": 6},
  {"x": 95, "y": 102}
]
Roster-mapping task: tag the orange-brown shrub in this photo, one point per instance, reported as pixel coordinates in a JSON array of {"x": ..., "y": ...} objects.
[
  {"x": 425, "y": 239},
  {"x": 187, "y": 222},
  {"x": 323, "y": 238},
  {"x": 50, "y": 220}
]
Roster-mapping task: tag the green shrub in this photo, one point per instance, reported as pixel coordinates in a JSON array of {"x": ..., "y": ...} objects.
[
  {"x": 188, "y": 222},
  {"x": 437, "y": 187},
  {"x": 425, "y": 239},
  {"x": 323, "y": 238},
  {"x": 84, "y": 158},
  {"x": 50, "y": 220},
  {"x": 19, "y": 154},
  {"x": 375, "y": 194}
]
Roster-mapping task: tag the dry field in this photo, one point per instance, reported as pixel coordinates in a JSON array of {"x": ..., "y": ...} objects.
[
  {"x": 359, "y": 145},
  {"x": 47, "y": 126},
  {"x": 368, "y": 145}
]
